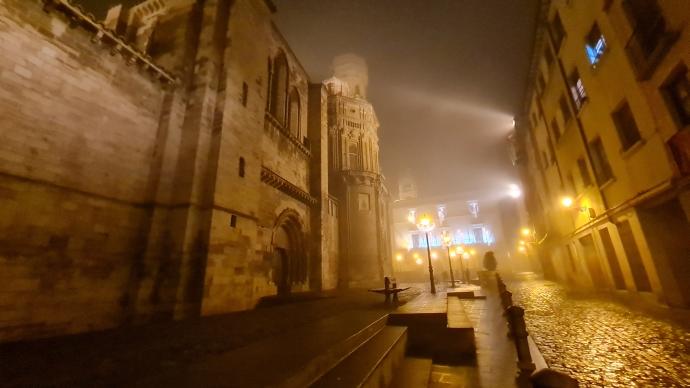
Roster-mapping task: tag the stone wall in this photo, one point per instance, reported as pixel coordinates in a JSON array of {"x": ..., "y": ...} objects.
[
  {"x": 79, "y": 130},
  {"x": 125, "y": 201}
]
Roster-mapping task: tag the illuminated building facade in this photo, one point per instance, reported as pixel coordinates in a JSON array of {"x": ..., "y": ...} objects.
[
  {"x": 472, "y": 220},
  {"x": 355, "y": 176},
  {"x": 604, "y": 145},
  {"x": 172, "y": 162}
]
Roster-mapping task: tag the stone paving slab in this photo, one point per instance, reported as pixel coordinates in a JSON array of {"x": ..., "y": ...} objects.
[{"x": 137, "y": 353}]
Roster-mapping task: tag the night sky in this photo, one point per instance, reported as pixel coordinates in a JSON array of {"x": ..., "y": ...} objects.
[{"x": 446, "y": 78}]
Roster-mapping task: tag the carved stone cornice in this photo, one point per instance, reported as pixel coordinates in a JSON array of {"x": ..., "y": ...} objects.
[
  {"x": 273, "y": 179},
  {"x": 79, "y": 17}
]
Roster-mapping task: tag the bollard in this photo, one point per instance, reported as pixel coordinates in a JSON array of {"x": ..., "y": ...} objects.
[
  {"x": 516, "y": 319},
  {"x": 506, "y": 299}
]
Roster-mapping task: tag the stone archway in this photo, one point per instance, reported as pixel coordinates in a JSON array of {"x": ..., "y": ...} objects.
[{"x": 289, "y": 262}]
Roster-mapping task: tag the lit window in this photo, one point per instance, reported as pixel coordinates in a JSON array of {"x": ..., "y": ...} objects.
[
  {"x": 577, "y": 89},
  {"x": 595, "y": 45}
]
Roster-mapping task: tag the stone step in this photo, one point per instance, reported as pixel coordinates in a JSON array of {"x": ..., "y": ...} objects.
[
  {"x": 438, "y": 328},
  {"x": 370, "y": 365},
  {"x": 412, "y": 373}
]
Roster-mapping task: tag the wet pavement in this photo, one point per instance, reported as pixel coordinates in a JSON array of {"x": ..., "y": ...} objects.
[{"x": 601, "y": 342}]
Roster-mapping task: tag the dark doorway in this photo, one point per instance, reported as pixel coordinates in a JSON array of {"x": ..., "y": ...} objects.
[
  {"x": 282, "y": 271},
  {"x": 592, "y": 261},
  {"x": 634, "y": 259},
  {"x": 668, "y": 234},
  {"x": 612, "y": 259}
]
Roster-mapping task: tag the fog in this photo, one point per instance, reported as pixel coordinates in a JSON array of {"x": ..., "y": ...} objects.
[{"x": 446, "y": 78}]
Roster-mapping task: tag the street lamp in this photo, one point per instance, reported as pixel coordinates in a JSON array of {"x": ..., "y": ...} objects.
[
  {"x": 447, "y": 241},
  {"x": 426, "y": 225}
]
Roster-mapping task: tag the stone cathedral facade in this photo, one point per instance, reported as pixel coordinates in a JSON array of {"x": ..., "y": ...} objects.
[{"x": 172, "y": 161}]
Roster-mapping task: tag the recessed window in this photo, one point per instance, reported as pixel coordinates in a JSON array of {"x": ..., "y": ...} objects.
[
  {"x": 245, "y": 93},
  {"x": 552, "y": 152},
  {"x": 677, "y": 91},
  {"x": 555, "y": 130},
  {"x": 595, "y": 45},
  {"x": 241, "y": 167},
  {"x": 233, "y": 221},
  {"x": 363, "y": 201},
  {"x": 628, "y": 133},
  {"x": 548, "y": 56},
  {"x": 557, "y": 31},
  {"x": 577, "y": 89},
  {"x": 584, "y": 173},
  {"x": 565, "y": 110},
  {"x": 541, "y": 84},
  {"x": 600, "y": 163}
]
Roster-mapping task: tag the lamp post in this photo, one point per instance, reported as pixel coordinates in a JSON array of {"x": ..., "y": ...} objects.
[
  {"x": 426, "y": 225},
  {"x": 447, "y": 241},
  {"x": 460, "y": 251}
]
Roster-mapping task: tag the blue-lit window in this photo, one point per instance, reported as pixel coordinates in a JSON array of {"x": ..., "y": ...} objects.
[{"x": 595, "y": 45}]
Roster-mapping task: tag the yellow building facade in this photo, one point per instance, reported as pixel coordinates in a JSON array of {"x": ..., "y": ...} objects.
[{"x": 604, "y": 146}]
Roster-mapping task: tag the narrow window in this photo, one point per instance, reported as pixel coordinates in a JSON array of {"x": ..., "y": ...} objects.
[
  {"x": 600, "y": 163},
  {"x": 557, "y": 31},
  {"x": 555, "y": 130},
  {"x": 584, "y": 173},
  {"x": 552, "y": 152},
  {"x": 677, "y": 91},
  {"x": 279, "y": 82},
  {"x": 241, "y": 168},
  {"x": 595, "y": 45},
  {"x": 541, "y": 84},
  {"x": 233, "y": 221},
  {"x": 627, "y": 129},
  {"x": 353, "y": 157},
  {"x": 294, "y": 113},
  {"x": 565, "y": 110},
  {"x": 571, "y": 183},
  {"x": 245, "y": 93},
  {"x": 648, "y": 24},
  {"x": 577, "y": 89}
]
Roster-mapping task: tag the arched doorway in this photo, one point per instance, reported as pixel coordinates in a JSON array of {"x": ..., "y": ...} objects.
[{"x": 289, "y": 256}]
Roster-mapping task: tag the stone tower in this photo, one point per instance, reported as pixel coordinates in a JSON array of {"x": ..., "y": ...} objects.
[{"x": 356, "y": 180}]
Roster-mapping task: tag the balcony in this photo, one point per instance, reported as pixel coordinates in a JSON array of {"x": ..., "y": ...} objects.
[
  {"x": 647, "y": 46},
  {"x": 680, "y": 148}
]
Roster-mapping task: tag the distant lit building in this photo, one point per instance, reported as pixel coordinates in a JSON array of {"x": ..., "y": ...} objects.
[
  {"x": 604, "y": 145},
  {"x": 472, "y": 220}
]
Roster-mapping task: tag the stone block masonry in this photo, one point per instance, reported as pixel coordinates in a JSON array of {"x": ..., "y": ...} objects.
[
  {"x": 78, "y": 135},
  {"x": 129, "y": 193}
]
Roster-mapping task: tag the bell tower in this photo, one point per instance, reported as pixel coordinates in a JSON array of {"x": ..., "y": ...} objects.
[{"x": 356, "y": 179}]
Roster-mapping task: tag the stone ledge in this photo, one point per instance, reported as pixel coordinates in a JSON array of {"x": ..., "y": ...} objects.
[{"x": 273, "y": 179}]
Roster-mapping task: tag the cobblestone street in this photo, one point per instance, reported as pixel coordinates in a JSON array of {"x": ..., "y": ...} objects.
[{"x": 601, "y": 342}]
